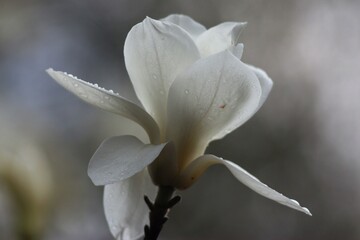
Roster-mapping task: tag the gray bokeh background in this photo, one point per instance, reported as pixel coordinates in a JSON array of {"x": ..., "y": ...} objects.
[{"x": 304, "y": 142}]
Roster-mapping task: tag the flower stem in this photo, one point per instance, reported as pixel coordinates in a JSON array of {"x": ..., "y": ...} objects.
[{"x": 158, "y": 211}]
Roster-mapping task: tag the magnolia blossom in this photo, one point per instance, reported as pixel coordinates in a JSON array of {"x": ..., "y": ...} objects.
[{"x": 194, "y": 89}]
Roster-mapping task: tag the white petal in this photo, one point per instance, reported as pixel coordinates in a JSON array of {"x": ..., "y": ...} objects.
[
  {"x": 237, "y": 50},
  {"x": 187, "y": 23},
  {"x": 155, "y": 53},
  {"x": 121, "y": 157},
  {"x": 265, "y": 82},
  {"x": 219, "y": 38},
  {"x": 107, "y": 100},
  {"x": 198, "y": 166},
  {"x": 211, "y": 99},
  {"x": 125, "y": 209}
]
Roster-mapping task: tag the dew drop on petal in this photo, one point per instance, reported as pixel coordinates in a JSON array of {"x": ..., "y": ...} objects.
[
  {"x": 307, "y": 211},
  {"x": 186, "y": 91}
]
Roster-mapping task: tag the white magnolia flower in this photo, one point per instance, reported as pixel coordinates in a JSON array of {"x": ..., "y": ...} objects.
[{"x": 194, "y": 89}]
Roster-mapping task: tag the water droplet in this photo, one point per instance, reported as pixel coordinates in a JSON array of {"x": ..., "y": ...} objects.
[
  {"x": 154, "y": 76},
  {"x": 76, "y": 85},
  {"x": 186, "y": 91},
  {"x": 307, "y": 211},
  {"x": 111, "y": 91}
]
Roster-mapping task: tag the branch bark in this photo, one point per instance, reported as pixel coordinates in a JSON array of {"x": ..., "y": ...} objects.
[{"x": 159, "y": 210}]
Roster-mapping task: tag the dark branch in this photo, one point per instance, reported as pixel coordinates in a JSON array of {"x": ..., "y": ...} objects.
[{"x": 159, "y": 210}]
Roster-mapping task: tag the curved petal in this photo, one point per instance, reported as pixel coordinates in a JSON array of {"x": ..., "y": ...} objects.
[
  {"x": 125, "y": 209},
  {"x": 198, "y": 166},
  {"x": 265, "y": 82},
  {"x": 155, "y": 53},
  {"x": 187, "y": 23},
  {"x": 121, "y": 157},
  {"x": 237, "y": 50},
  {"x": 213, "y": 97},
  {"x": 219, "y": 38},
  {"x": 107, "y": 100}
]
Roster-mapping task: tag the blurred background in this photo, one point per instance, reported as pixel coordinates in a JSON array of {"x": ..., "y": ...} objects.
[{"x": 304, "y": 142}]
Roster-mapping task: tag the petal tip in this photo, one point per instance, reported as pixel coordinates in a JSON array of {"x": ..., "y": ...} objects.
[
  {"x": 149, "y": 20},
  {"x": 51, "y": 72},
  {"x": 150, "y": 23},
  {"x": 299, "y": 207},
  {"x": 236, "y": 32}
]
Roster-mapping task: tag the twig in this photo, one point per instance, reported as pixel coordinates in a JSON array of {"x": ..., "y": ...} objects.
[{"x": 159, "y": 210}]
